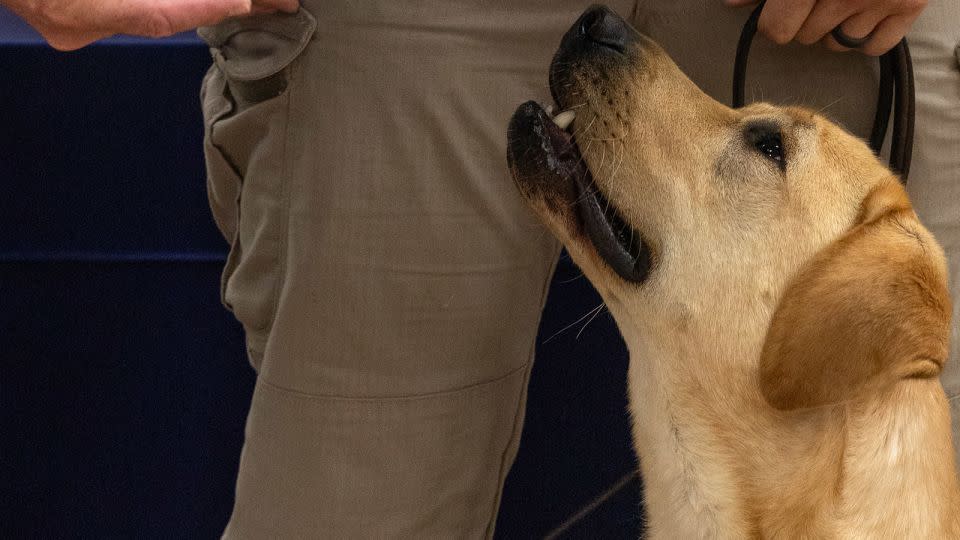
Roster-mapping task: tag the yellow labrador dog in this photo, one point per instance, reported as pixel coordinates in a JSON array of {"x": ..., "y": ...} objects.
[{"x": 786, "y": 313}]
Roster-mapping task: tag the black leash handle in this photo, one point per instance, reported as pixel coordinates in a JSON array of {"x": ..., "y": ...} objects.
[{"x": 896, "y": 90}]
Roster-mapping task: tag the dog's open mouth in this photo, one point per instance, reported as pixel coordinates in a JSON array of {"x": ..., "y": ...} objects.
[{"x": 544, "y": 157}]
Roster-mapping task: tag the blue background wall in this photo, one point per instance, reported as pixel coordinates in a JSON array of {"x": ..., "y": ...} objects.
[{"x": 125, "y": 384}]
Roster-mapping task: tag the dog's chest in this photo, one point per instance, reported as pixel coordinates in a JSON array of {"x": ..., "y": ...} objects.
[{"x": 689, "y": 486}]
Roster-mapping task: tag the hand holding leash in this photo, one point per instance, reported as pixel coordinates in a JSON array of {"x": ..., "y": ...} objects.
[
  {"x": 71, "y": 24},
  {"x": 896, "y": 93},
  {"x": 871, "y": 26}
]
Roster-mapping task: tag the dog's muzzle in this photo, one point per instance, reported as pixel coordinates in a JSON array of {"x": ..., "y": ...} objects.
[{"x": 546, "y": 159}]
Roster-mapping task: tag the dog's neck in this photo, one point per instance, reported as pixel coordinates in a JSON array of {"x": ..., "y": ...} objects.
[
  {"x": 898, "y": 443},
  {"x": 717, "y": 457}
]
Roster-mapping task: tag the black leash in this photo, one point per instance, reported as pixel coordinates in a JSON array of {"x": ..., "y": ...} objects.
[{"x": 896, "y": 90}]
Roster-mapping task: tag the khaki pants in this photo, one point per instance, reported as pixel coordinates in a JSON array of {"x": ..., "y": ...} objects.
[{"x": 388, "y": 276}]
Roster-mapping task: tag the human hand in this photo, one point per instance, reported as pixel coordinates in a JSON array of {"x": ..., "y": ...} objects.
[
  {"x": 71, "y": 24},
  {"x": 810, "y": 21}
]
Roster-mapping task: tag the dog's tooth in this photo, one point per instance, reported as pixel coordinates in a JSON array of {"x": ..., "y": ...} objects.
[
  {"x": 564, "y": 119},
  {"x": 549, "y": 109}
]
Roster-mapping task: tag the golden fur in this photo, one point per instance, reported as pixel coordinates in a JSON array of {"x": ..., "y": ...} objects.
[{"x": 786, "y": 345}]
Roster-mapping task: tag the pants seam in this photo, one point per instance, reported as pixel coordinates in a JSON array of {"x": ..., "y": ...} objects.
[{"x": 379, "y": 399}]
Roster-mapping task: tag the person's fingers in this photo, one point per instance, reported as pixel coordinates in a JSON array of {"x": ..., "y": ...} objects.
[
  {"x": 70, "y": 27},
  {"x": 780, "y": 19},
  {"x": 892, "y": 29},
  {"x": 887, "y": 34},
  {"x": 857, "y": 26},
  {"x": 861, "y": 24},
  {"x": 53, "y": 24},
  {"x": 166, "y": 17},
  {"x": 822, "y": 19},
  {"x": 832, "y": 44},
  {"x": 68, "y": 24},
  {"x": 70, "y": 41}
]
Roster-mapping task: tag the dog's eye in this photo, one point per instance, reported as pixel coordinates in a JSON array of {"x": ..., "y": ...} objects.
[
  {"x": 772, "y": 147},
  {"x": 764, "y": 136}
]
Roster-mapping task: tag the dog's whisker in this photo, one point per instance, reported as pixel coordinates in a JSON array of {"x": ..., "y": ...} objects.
[
  {"x": 579, "y": 276},
  {"x": 599, "y": 309},
  {"x": 593, "y": 311},
  {"x": 622, "y": 156},
  {"x": 581, "y": 131},
  {"x": 603, "y": 157},
  {"x": 831, "y": 104},
  {"x": 585, "y": 194},
  {"x": 582, "y": 159}
]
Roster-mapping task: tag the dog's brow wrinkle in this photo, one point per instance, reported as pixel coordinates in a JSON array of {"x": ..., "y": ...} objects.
[{"x": 916, "y": 236}]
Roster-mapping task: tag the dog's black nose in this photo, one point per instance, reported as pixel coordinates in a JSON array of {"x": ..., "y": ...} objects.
[{"x": 603, "y": 26}]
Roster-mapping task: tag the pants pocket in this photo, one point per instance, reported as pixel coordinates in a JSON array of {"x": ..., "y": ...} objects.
[{"x": 245, "y": 101}]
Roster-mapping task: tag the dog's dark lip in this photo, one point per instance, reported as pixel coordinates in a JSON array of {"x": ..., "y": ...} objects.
[
  {"x": 617, "y": 243},
  {"x": 539, "y": 151}
]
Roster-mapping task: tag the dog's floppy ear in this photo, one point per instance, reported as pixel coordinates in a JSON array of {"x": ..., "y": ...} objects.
[{"x": 869, "y": 310}]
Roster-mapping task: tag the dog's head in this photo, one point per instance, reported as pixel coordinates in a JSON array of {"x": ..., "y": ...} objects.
[{"x": 765, "y": 233}]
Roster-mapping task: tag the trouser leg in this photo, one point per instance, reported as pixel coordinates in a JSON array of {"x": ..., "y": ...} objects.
[{"x": 388, "y": 275}]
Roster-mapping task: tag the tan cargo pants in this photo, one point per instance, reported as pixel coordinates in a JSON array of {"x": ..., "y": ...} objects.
[{"x": 389, "y": 278}]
